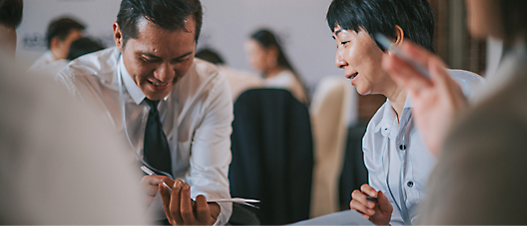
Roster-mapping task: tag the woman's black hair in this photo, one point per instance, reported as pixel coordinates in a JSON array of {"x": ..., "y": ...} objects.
[
  {"x": 267, "y": 40},
  {"x": 415, "y": 17}
]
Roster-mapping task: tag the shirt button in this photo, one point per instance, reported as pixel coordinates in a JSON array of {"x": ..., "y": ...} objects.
[
  {"x": 410, "y": 184},
  {"x": 402, "y": 147}
]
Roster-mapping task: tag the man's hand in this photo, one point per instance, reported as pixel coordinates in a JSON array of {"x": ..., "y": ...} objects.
[
  {"x": 151, "y": 185},
  {"x": 379, "y": 212},
  {"x": 182, "y": 210},
  {"x": 435, "y": 101}
]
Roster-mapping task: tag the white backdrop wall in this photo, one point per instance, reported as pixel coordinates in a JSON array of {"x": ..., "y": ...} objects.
[
  {"x": 300, "y": 24},
  {"x": 97, "y": 15}
]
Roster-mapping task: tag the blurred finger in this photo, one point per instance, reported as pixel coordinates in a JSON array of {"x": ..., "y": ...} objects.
[
  {"x": 169, "y": 181},
  {"x": 175, "y": 202},
  {"x": 186, "y": 210},
  {"x": 356, "y": 205},
  {"x": 368, "y": 190},
  {"x": 202, "y": 208},
  {"x": 163, "y": 190}
]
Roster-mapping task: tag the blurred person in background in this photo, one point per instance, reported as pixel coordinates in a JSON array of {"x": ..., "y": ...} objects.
[
  {"x": 78, "y": 48},
  {"x": 58, "y": 163},
  {"x": 266, "y": 55},
  {"x": 395, "y": 155},
  {"x": 239, "y": 81},
  {"x": 83, "y": 46},
  {"x": 481, "y": 147},
  {"x": 59, "y": 36},
  {"x": 10, "y": 18}
]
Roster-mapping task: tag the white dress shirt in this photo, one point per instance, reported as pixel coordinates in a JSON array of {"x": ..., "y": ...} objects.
[
  {"x": 196, "y": 117},
  {"x": 47, "y": 65},
  {"x": 287, "y": 80},
  {"x": 43, "y": 60},
  {"x": 390, "y": 147}
]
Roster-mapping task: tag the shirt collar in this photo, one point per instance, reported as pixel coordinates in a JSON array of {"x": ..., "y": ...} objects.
[
  {"x": 388, "y": 117},
  {"x": 135, "y": 92}
]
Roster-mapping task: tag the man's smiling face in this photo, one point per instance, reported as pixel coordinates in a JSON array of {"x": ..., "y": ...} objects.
[{"x": 158, "y": 58}]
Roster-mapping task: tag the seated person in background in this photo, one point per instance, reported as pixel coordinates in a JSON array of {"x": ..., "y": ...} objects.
[
  {"x": 10, "y": 19},
  {"x": 267, "y": 57},
  {"x": 395, "y": 155},
  {"x": 78, "y": 48},
  {"x": 59, "y": 36},
  {"x": 239, "y": 81},
  {"x": 83, "y": 46},
  {"x": 56, "y": 165},
  {"x": 480, "y": 173},
  {"x": 175, "y": 110}
]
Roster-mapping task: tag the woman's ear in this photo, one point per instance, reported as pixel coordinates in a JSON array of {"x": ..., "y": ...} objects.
[{"x": 399, "y": 36}]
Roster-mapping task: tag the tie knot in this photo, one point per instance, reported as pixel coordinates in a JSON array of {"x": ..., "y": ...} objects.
[{"x": 152, "y": 103}]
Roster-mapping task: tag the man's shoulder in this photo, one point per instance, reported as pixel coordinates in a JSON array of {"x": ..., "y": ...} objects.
[
  {"x": 203, "y": 73},
  {"x": 99, "y": 64},
  {"x": 204, "y": 69}
]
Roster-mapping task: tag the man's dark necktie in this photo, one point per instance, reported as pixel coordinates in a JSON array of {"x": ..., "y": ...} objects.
[{"x": 156, "y": 151}]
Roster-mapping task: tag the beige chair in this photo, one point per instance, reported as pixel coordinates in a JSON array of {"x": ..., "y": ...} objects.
[{"x": 331, "y": 111}]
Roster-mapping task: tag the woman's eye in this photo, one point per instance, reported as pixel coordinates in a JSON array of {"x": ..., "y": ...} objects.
[{"x": 344, "y": 43}]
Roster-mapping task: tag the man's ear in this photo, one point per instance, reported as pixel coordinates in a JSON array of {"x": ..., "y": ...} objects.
[
  {"x": 399, "y": 36},
  {"x": 118, "y": 36},
  {"x": 55, "y": 43}
]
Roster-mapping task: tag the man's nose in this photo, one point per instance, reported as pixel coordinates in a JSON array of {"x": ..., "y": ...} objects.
[{"x": 164, "y": 73}]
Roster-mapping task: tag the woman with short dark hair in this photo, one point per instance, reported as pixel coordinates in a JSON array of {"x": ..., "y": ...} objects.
[{"x": 395, "y": 155}]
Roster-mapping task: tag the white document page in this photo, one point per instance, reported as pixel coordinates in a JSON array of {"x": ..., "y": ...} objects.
[{"x": 343, "y": 218}]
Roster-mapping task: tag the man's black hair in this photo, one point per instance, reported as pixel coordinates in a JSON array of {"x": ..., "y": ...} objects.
[
  {"x": 415, "y": 17},
  {"x": 11, "y": 13},
  {"x": 168, "y": 14},
  {"x": 83, "y": 46},
  {"x": 61, "y": 28}
]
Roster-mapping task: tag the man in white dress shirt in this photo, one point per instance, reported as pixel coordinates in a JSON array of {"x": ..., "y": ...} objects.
[
  {"x": 153, "y": 64},
  {"x": 59, "y": 36}
]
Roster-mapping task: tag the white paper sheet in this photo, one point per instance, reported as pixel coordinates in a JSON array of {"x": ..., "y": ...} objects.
[{"x": 347, "y": 217}]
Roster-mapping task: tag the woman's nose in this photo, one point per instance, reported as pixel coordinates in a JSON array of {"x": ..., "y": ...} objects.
[{"x": 340, "y": 62}]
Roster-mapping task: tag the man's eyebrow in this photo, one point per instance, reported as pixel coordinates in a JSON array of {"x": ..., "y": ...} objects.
[
  {"x": 149, "y": 55},
  {"x": 184, "y": 55}
]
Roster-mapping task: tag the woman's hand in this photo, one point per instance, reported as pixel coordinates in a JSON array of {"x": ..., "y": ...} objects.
[
  {"x": 435, "y": 100},
  {"x": 379, "y": 212}
]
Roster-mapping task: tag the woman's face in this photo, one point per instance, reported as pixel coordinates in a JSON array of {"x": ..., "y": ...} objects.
[
  {"x": 257, "y": 54},
  {"x": 483, "y": 18},
  {"x": 361, "y": 59}
]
